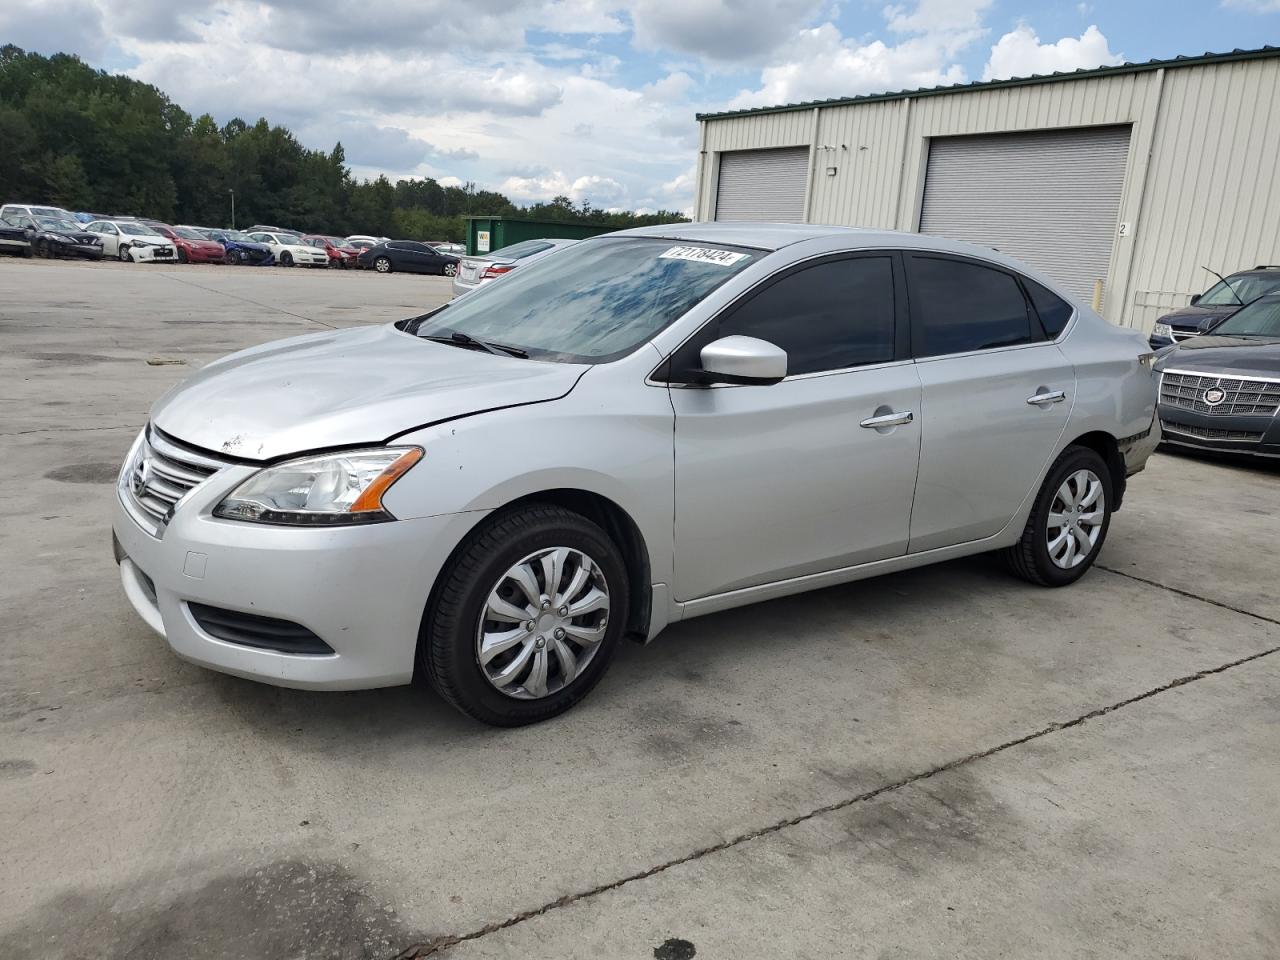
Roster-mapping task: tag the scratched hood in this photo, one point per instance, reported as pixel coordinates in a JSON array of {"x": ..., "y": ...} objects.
[{"x": 344, "y": 387}]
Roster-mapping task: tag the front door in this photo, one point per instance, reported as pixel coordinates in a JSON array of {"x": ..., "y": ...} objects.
[
  {"x": 996, "y": 398},
  {"x": 790, "y": 479}
]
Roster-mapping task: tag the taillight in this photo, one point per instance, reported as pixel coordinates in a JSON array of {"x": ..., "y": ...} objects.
[{"x": 496, "y": 271}]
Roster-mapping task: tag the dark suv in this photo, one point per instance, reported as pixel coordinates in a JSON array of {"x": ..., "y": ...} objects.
[{"x": 1217, "y": 303}]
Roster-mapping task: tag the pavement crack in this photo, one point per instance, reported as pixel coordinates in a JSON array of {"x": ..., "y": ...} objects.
[
  {"x": 256, "y": 303},
  {"x": 442, "y": 943},
  {"x": 1188, "y": 594}
]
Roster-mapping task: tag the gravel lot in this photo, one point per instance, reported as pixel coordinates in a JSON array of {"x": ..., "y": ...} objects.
[{"x": 942, "y": 763}]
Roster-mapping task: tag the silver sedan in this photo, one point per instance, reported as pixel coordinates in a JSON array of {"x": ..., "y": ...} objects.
[
  {"x": 649, "y": 426},
  {"x": 474, "y": 272}
]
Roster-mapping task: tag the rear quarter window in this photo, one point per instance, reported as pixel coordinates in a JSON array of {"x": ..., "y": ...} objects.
[{"x": 1053, "y": 310}]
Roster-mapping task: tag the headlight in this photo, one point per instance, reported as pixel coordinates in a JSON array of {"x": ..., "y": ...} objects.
[
  {"x": 334, "y": 489},
  {"x": 1162, "y": 330}
]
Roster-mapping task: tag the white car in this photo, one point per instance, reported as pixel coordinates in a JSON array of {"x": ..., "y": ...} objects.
[
  {"x": 133, "y": 241},
  {"x": 290, "y": 250}
]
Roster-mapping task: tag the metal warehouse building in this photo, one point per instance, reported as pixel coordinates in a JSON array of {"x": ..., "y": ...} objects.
[{"x": 1135, "y": 176}]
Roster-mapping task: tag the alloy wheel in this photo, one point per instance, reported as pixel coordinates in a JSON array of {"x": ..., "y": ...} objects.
[
  {"x": 382, "y": 265},
  {"x": 450, "y": 269},
  {"x": 124, "y": 255},
  {"x": 1076, "y": 517},
  {"x": 542, "y": 623}
]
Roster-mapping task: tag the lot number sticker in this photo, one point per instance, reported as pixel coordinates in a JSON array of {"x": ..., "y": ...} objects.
[{"x": 722, "y": 258}]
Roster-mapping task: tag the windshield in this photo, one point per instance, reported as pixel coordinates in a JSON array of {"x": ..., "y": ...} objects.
[
  {"x": 1248, "y": 287},
  {"x": 56, "y": 212},
  {"x": 1261, "y": 319},
  {"x": 239, "y": 235},
  {"x": 59, "y": 225},
  {"x": 291, "y": 239},
  {"x": 135, "y": 229},
  {"x": 186, "y": 233},
  {"x": 591, "y": 302}
]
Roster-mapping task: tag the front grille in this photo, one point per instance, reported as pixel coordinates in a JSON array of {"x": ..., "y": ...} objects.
[
  {"x": 163, "y": 472},
  {"x": 1211, "y": 433},
  {"x": 1183, "y": 334},
  {"x": 261, "y": 633},
  {"x": 1243, "y": 396},
  {"x": 164, "y": 251}
]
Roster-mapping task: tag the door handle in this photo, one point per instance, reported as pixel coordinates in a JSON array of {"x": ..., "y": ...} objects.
[
  {"x": 888, "y": 420},
  {"x": 1044, "y": 399}
]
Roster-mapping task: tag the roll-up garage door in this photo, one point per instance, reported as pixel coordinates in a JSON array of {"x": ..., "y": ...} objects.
[
  {"x": 1049, "y": 198},
  {"x": 763, "y": 185}
]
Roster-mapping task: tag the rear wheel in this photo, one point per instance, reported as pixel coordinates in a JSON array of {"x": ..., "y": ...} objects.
[
  {"x": 382, "y": 265},
  {"x": 1068, "y": 523},
  {"x": 527, "y": 618}
]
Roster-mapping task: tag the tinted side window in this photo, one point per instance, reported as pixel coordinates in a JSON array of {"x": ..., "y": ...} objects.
[
  {"x": 959, "y": 306},
  {"x": 827, "y": 317},
  {"x": 1054, "y": 311}
]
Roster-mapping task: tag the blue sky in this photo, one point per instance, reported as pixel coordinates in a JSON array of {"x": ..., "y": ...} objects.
[{"x": 590, "y": 98}]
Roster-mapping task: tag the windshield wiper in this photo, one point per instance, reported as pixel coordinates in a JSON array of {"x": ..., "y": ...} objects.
[
  {"x": 459, "y": 339},
  {"x": 1229, "y": 286}
]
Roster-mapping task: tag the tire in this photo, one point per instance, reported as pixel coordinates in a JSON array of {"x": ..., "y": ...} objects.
[
  {"x": 182, "y": 256},
  {"x": 123, "y": 254},
  {"x": 449, "y": 269},
  {"x": 448, "y": 646},
  {"x": 1032, "y": 558},
  {"x": 28, "y": 252},
  {"x": 286, "y": 259},
  {"x": 42, "y": 250},
  {"x": 382, "y": 265}
]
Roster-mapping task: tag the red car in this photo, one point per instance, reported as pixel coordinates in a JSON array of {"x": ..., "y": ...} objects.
[
  {"x": 191, "y": 246},
  {"x": 340, "y": 254}
]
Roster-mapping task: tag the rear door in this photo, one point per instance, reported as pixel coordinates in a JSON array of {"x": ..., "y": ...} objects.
[
  {"x": 792, "y": 478},
  {"x": 997, "y": 394}
]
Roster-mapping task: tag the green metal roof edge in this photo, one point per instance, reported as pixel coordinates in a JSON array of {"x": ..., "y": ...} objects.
[
  {"x": 558, "y": 223},
  {"x": 1182, "y": 61}
]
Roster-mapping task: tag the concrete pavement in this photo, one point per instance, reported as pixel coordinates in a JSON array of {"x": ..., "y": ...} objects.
[{"x": 155, "y": 809}]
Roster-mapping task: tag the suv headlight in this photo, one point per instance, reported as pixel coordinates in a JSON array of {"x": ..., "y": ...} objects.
[
  {"x": 328, "y": 490},
  {"x": 1162, "y": 330}
]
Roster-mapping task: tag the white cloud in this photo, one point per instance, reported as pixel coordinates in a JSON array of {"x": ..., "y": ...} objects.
[
  {"x": 1020, "y": 53},
  {"x": 724, "y": 30},
  {"x": 1254, "y": 6},
  {"x": 601, "y": 191}
]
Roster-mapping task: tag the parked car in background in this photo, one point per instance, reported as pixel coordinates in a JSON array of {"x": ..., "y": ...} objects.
[
  {"x": 445, "y": 246},
  {"x": 14, "y": 239},
  {"x": 408, "y": 256},
  {"x": 240, "y": 250},
  {"x": 474, "y": 272},
  {"x": 1221, "y": 390},
  {"x": 337, "y": 250},
  {"x": 290, "y": 251},
  {"x": 267, "y": 228},
  {"x": 60, "y": 237},
  {"x": 1221, "y": 300},
  {"x": 82, "y": 217},
  {"x": 192, "y": 246},
  {"x": 11, "y": 210},
  {"x": 648, "y": 426},
  {"x": 132, "y": 240},
  {"x": 360, "y": 239}
]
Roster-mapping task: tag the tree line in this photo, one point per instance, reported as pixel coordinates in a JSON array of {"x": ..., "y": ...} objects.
[{"x": 83, "y": 139}]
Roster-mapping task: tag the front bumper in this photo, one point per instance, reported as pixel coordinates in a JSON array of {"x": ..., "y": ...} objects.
[
  {"x": 86, "y": 251},
  {"x": 1254, "y": 435},
  {"x": 142, "y": 253},
  {"x": 362, "y": 590},
  {"x": 198, "y": 255},
  {"x": 311, "y": 258}
]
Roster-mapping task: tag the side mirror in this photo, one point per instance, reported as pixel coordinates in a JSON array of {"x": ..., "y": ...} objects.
[
  {"x": 1195, "y": 298},
  {"x": 743, "y": 360}
]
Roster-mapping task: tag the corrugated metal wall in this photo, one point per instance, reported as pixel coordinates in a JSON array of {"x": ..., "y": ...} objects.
[{"x": 1198, "y": 178}]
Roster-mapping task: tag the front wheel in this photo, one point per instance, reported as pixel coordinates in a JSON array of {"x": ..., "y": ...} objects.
[
  {"x": 182, "y": 256},
  {"x": 382, "y": 265},
  {"x": 123, "y": 254},
  {"x": 286, "y": 259},
  {"x": 1068, "y": 523},
  {"x": 450, "y": 269},
  {"x": 527, "y": 618}
]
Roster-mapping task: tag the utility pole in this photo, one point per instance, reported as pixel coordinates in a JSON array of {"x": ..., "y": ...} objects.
[{"x": 233, "y": 208}]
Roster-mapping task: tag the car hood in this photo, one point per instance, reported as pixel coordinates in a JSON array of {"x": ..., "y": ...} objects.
[
  {"x": 1198, "y": 317},
  {"x": 246, "y": 245},
  {"x": 1227, "y": 356},
  {"x": 77, "y": 235},
  {"x": 346, "y": 387}
]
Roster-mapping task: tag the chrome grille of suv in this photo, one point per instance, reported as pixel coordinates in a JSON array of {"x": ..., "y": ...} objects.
[
  {"x": 162, "y": 473},
  {"x": 1212, "y": 433},
  {"x": 1244, "y": 396}
]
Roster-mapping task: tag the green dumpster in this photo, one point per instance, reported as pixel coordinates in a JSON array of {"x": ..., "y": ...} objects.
[{"x": 486, "y": 234}]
